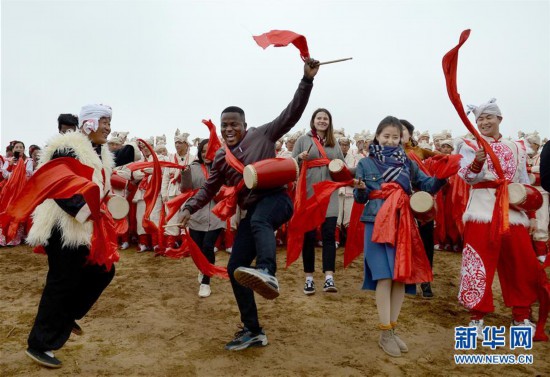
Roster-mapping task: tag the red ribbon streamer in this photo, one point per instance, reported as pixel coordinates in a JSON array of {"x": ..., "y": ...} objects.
[
  {"x": 214, "y": 142},
  {"x": 501, "y": 224}
]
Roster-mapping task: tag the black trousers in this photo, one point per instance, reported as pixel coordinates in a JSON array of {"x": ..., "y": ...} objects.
[
  {"x": 72, "y": 287},
  {"x": 328, "y": 230},
  {"x": 255, "y": 239},
  {"x": 427, "y": 235},
  {"x": 206, "y": 242}
]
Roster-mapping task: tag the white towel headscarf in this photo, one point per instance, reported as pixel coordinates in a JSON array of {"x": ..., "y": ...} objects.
[
  {"x": 486, "y": 108},
  {"x": 91, "y": 114}
]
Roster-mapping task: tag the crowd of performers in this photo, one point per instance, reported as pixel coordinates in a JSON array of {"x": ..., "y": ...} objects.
[{"x": 196, "y": 197}]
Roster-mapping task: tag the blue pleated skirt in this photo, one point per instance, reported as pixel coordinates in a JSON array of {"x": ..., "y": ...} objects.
[{"x": 379, "y": 262}]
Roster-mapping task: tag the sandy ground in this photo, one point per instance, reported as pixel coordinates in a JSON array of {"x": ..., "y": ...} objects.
[{"x": 150, "y": 322}]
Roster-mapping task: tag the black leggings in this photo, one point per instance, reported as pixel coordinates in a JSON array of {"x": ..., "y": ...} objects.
[
  {"x": 206, "y": 242},
  {"x": 427, "y": 235},
  {"x": 328, "y": 230}
]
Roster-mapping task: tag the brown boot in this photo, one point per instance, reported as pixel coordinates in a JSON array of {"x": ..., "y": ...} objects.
[{"x": 388, "y": 344}]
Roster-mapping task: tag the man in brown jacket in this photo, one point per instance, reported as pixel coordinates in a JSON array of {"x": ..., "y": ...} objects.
[{"x": 267, "y": 210}]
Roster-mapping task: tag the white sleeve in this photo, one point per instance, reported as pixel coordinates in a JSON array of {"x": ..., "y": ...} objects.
[
  {"x": 468, "y": 155},
  {"x": 5, "y": 172},
  {"x": 29, "y": 167}
]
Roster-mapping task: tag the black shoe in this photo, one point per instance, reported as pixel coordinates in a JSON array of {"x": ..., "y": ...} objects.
[
  {"x": 245, "y": 339},
  {"x": 329, "y": 286},
  {"x": 426, "y": 290},
  {"x": 43, "y": 358},
  {"x": 309, "y": 287},
  {"x": 77, "y": 330}
]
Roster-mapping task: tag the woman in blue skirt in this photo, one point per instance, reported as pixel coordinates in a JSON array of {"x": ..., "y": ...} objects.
[{"x": 394, "y": 258}]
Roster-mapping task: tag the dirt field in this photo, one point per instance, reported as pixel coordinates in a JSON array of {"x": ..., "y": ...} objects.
[{"x": 150, "y": 322}]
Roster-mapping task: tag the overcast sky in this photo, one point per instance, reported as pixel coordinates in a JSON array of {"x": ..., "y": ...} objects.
[{"x": 163, "y": 65}]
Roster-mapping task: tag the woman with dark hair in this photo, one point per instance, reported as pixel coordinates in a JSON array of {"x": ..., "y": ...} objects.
[
  {"x": 204, "y": 226},
  {"x": 10, "y": 181},
  {"x": 318, "y": 147},
  {"x": 34, "y": 152},
  {"x": 18, "y": 156},
  {"x": 426, "y": 229},
  {"x": 386, "y": 178}
]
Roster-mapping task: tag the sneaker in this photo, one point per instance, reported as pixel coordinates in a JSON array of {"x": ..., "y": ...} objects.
[
  {"x": 215, "y": 249},
  {"x": 525, "y": 323},
  {"x": 388, "y": 344},
  {"x": 245, "y": 339},
  {"x": 45, "y": 358},
  {"x": 228, "y": 250},
  {"x": 309, "y": 287},
  {"x": 204, "y": 290},
  {"x": 400, "y": 343},
  {"x": 124, "y": 246},
  {"x": 426, "y": 290},
  {"x": 259, "y": 280},
  {"x": 542, "y": 258},
  {"x": 478, "y": 324},
  {"x": 77, "y": 330},
  {"x": 337, "y": 244},
  {"x": 329, "y": 286},
  {"x": 199, "y": 277},
  {"x": 142, "y": 248}
]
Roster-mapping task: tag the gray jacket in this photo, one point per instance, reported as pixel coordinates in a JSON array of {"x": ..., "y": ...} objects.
[{"x": 318, "y": 174}]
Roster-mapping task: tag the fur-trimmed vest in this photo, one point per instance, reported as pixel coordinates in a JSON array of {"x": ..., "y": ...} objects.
[{"x": 48, "y": 214}]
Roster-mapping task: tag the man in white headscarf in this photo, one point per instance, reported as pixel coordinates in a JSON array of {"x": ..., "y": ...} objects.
[
  {"x": 76, "y": 276},
  {"x": 515, "y": 259},
  {"x": 171, "y": 179}
]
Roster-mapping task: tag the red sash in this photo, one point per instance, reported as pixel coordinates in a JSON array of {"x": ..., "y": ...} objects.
[
  {"x": 307, "y": 212},
  {"x": 395, "y": 226}
]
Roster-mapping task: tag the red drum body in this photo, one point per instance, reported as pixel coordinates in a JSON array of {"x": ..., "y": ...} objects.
[
  {"x": 524, "y": 197},
  {"x": 270, "y": 173},
  {"x": 339, "y": 172},
  {"x": 118, "y": 207},
  {"x": 118, "y": 183},
  {"x": 423, "y": 206}
]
